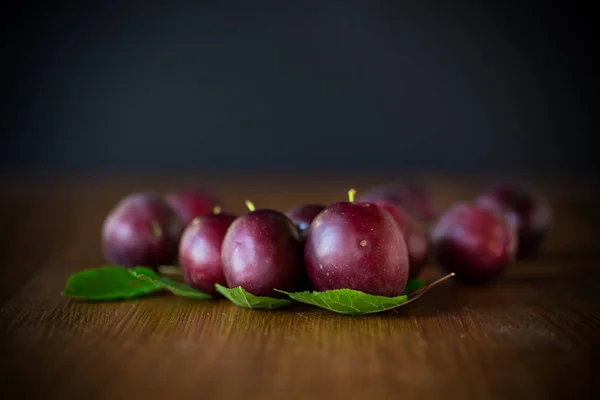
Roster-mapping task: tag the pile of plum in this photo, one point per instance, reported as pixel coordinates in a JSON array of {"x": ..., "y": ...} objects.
[{"x": 374, "y": 243}]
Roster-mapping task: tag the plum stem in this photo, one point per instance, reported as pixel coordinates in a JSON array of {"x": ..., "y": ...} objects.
[
  {"x": 217, "y": 210},
  {"x": 156, "y": 229},
  {"x": 351, "y": 195},
  {"x": 250, "y": 205}
]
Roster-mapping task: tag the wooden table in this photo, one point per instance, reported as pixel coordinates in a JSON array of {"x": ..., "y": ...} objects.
[{"x": 534, "y": 335}]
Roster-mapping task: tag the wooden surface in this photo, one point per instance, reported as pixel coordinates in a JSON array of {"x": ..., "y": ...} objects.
[{"x": 534, "y": 335}]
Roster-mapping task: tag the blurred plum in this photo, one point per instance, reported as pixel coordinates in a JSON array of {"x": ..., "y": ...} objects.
[
  {"x": 529, "y": 213},
  {"x": 191, "y": 203},
  {"x": 141, "y": 230},
  {"x": 412, "y": 197},
  {"x": 476, "y": 243}
]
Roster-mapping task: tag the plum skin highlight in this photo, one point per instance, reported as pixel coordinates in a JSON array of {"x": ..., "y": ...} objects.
[
  {"x": 262, "y": 251},
  {"x": 304, "y": 215},
  {"x": 417, "y": 242},
  {"x": 200, "y": 251}
]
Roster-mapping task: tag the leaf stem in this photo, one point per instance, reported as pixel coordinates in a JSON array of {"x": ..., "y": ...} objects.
[
  {"x": 250, "y": 205},
  {"x": 170, "y": 270},
  {"x": 429, "y": 286},
  {"x": 144, "y": 277}
]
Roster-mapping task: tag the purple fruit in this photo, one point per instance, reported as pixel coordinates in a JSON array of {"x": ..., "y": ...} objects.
[
  {"x": 476, "y": 243},
  {"x": 357, "y": 246},
  {"x": 304, "y": 215},
  {"x": 413, "y": 198},
  {"x": 262, "y": 251},
  {"x": 141, "y": 230},
  {"x": 200, "y": 251},
  {"x": 417, "y": 242},
  {"x": 189, "y": 204},
  {"x": 533, "y": 215}
]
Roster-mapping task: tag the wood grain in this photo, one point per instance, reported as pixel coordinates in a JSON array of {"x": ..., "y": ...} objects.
[{"x": 534, "y": 335}]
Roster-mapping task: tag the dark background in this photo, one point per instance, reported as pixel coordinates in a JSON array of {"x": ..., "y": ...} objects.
[{"x": 325, "y": 85}]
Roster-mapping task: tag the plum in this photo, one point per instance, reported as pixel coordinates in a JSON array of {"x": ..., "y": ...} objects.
[
  {"x": 262, "y": 251},
  {"x": 304, "y": 215},
  {"x": 141, "y": 230},
  {"x": 357, "y": 246},
  {"x": 417, "y": 242},
  {"x": 412, "y": 197},
  {"x": 191, "y": 203},
  {"x": 200, "y": 251},
  {"x": 532, "y": 214},
  {"x": 473, "y": 241}
]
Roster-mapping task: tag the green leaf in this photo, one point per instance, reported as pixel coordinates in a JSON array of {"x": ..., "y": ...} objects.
[
  {"x": 348, "y": 301},
  {"x": 183, "y": 290},
  {"x": 107, "y": 283},
  {"x": 177, "y": 288},
  {"x": 414, "y": 285},
  {"x": 242, "y": 298},
  {"x": 354, "y": 302}
]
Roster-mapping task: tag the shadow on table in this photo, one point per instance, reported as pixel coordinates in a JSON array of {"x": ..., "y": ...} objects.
[{"x": 455, "y": 298}]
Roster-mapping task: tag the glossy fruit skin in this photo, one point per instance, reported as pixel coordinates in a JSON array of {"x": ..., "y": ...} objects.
[
  {"x": 533, "y": 215},
  {"x": 141, "y": 230},
  {"x": 476, "y": 243},
  {"x": 304, "y": 215},
  {"x": 200, "y": 251},
  {"x": 357, "y": 246},
  {"x": 189, "y": 204},
  {"x": 417, "y": 242},
  {"x": 262, "y": 251},
  {"x": 413, "y": 198}
]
